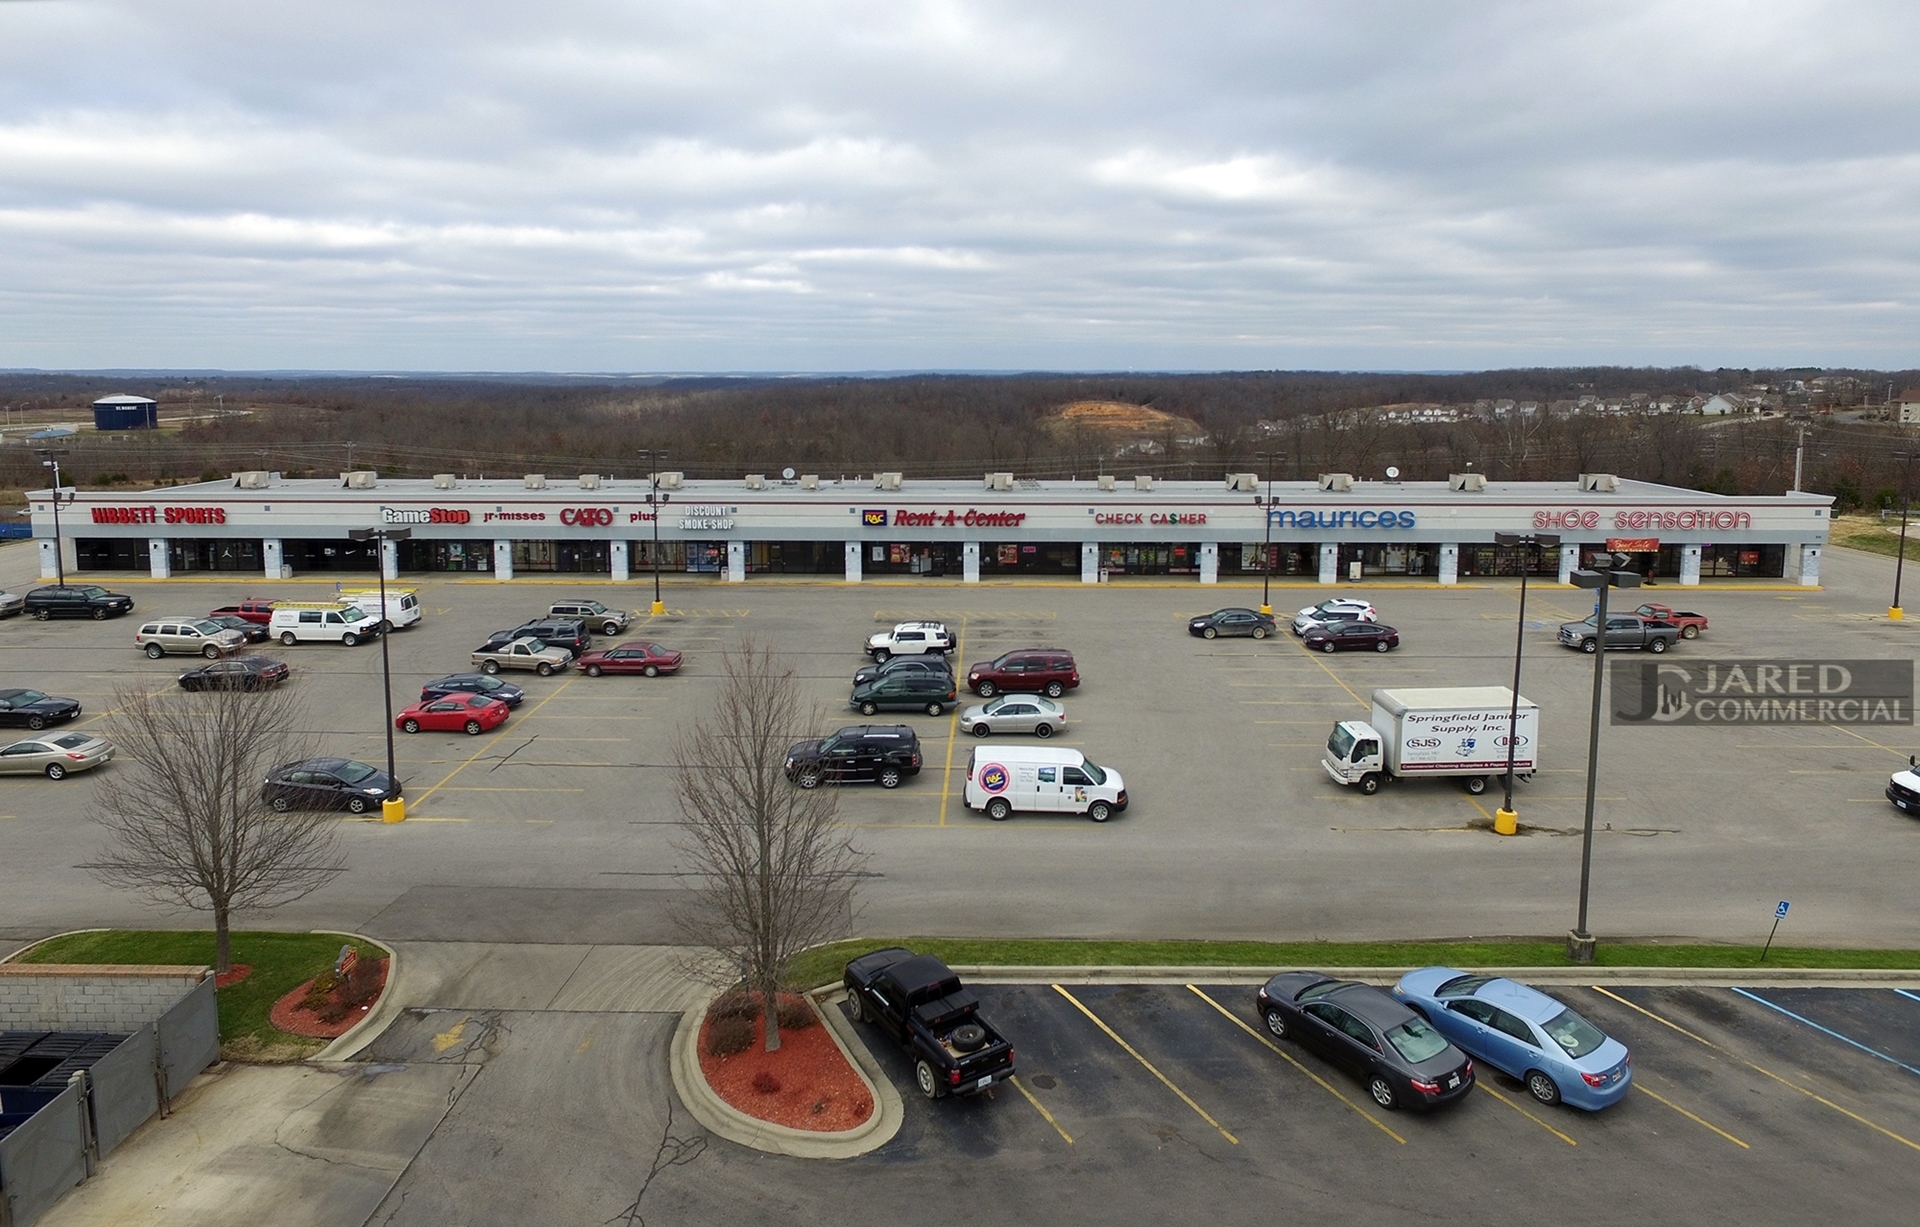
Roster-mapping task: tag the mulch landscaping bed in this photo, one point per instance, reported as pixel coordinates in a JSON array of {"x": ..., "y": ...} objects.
[
  {"x": 341, "y": 1010},
  {"x": 807, "y": 1084},
  {"x": 228, "y": 979}
]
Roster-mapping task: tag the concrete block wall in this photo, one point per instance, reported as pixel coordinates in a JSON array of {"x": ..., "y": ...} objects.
[{"x": 89, "y": 997}]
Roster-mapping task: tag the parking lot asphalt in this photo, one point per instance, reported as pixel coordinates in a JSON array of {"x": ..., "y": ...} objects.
[{"x": 560, "y": 826}]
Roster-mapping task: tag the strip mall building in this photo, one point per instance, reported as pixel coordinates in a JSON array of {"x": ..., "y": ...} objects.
[{"x": 264, "y": 524}]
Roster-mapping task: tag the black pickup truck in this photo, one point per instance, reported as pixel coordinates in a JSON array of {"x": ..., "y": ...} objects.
[{"x": 920, "y": 1002}]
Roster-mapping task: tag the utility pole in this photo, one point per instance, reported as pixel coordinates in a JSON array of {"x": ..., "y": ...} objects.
[{"x": 1799, "y": 455}]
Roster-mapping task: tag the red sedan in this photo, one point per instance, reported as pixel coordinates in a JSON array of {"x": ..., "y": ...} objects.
[
  {"x": 636, "y": 657},
  {"x": 472, "y": 714}
]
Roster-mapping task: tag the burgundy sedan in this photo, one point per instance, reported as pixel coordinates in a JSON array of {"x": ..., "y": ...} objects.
[
  {"x": 472, "y": 714},
  {"x": 636, "y": 657},
  {"x": 1352, "y": 637}
]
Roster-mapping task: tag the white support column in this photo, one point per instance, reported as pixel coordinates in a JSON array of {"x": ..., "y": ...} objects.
[
  {"x": 1329, "y": 562},
  {"x": 970, "y": 562},
  {"x": 736, "y": 562},
  {"x": 1689, "y": 566},
  {"x": 1449, "y": 562},
  {"x": 1809, "y": 566},
  {"x": 1089, "y": 562},
  {"x": 617, "y": 560},
  {"x": 1209, "y": 562},
  {"x": 49, "y": 558},
  {"x": 159, "y": 561},
  {"x": 503, "y": 560},
  {"x": 1569, "y": 562},
  {"x": 272, "y": 556},
  {"x": 390, "y": 560},
  {"x": 853, "y": 561}
]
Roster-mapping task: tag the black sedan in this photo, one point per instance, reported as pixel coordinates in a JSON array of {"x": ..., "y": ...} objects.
[
  {"x": 1352, "y": 637},
  {"x": 1396, "y": 1053},
  {"x": 256, "y": 632},
  {"x": 473, "y": 683},
  {"x": 238, "y": 673},
  {"x": 31, "y": 709},
  {"x": 938, "y": 666},
  {"x": 327, "y": 783},
  {"x": 1223, "y": 623}
]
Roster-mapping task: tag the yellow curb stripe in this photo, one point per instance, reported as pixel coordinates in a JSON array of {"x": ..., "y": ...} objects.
[
  {"x": 1037, "y": 1107},
  {"x": 1148, "y": 1065}
]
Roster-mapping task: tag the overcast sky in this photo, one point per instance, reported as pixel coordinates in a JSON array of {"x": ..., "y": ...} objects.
[{"x": 896, "y": 184}]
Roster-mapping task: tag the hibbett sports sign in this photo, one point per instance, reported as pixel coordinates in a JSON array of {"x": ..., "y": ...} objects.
[{"x": 1762, "y": 692}]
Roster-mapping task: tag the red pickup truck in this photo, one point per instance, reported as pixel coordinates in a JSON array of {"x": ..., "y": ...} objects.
[
  {"x": 253, "y": 609},
  {"x": 1690, "y": 624}
]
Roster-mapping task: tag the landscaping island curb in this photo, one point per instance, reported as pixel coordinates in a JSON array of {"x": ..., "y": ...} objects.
[
  {"x": 384, "y": 1011},
  {"x": 721, "y": 1117},
  {"x": 1651, "y": 977}
]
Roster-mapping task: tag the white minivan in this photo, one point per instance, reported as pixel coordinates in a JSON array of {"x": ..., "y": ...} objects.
[
  {"x": 1003, "y": 779},
  {"x": 403, "y": 604},
  {"x": 322, "y": 622}
]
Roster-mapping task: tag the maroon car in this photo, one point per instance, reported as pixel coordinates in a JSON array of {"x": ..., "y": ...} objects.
[
  {"x": 1352, "y": 637},
  {"x": 636, "y": 657},
  {"x": 253, "y": 609},
  {"x": 1048, "y": 671}
]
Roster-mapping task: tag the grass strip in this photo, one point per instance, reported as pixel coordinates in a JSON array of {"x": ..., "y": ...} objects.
[
  {"x": 281, "y": 963},
  {"x": 823, "y": 964},
  {"x": 1875, "y": 536}
]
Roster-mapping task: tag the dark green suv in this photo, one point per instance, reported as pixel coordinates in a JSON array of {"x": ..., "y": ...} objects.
[{"x": 931, "y": 693}]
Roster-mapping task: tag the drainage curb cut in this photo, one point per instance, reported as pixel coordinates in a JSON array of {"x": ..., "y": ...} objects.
[{"x": 721, "y": 1117}]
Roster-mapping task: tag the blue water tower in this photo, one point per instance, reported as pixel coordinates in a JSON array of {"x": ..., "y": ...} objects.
[{"x": 125, "y": 412}]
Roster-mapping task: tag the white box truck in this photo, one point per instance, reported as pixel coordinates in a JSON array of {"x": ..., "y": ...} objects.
[{"x": 1458, "y": 731}]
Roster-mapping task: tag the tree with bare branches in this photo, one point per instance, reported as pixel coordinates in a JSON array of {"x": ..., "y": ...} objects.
[
  {"x": 183, "y": 810},
  {"x": 774, "y": 872}
]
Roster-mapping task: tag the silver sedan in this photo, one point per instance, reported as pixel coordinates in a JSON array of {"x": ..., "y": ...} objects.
[
  {"x": 1014, "y": 713},
  {"x": 56, "y": 756},
  {"x": 11, "y": 603}
]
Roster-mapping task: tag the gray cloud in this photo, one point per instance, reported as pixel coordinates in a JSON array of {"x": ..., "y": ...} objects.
[{"x": 883, "y": 185}]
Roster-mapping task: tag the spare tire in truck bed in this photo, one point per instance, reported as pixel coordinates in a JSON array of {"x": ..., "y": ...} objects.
[{"x": 969, "y": 1037}]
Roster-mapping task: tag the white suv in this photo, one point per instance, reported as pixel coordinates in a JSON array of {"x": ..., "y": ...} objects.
[
  {"x": 1341, "y": 609},
  {"x": 911, "y": 639}
]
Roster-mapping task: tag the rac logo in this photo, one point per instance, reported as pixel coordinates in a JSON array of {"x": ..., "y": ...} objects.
[
  {"x": 993, "y": 778},
  {"x": 586, "y": 517}
]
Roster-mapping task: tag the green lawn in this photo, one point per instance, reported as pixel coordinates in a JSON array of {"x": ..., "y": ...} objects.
[
  {"x": 823, "y": 964},
  {"x": 281, "y": 963}
]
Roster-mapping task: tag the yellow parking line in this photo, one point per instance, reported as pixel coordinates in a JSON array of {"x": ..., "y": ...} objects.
[
  {"x": 475, "y": 756},
  {"x": 1758, "y": 1069},
  {"x": 1038, "y": 1107},
  {"x": 1306, "y": 652},
  {"x": 1658, "y": 1098},
  {"x": 1148, "y": 1065},
  {"x": 483, "y": 788},
  {"x": 953, "y": 724},
  {"x": 1326, "y": 1086},
  {"x": 1530, "y": 1116}
]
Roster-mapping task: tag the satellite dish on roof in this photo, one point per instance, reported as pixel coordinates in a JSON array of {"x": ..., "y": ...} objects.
[
  {"x": 1393, "y": 472},
  {"x": 786, "y": 474}
]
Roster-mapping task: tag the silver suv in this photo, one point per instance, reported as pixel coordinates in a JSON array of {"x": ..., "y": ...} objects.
[
  {"x": 597, "y": 616},
  {"x": 189, "y": 634}
]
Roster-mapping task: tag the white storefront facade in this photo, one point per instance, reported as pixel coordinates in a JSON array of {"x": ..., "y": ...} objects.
[{"x": 973, "y": 531}]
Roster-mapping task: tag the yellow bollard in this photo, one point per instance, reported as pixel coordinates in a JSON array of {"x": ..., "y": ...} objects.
[
  {"x": 1267, "y": 610},
  {"x": 1506, "y": 822},
  {"x": 394, "y": 810},
  {"x": 659, "y": 607},
  {"x": 1895, "y": 613}
]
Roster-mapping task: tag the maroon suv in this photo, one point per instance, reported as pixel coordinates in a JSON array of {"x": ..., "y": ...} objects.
[{"x": 1047, "y": 671}]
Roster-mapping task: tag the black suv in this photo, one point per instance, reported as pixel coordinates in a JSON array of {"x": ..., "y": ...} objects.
[
  {"x": 932, "y": 693},
  {"x": 568, "y": 633},
  {"x": 77, "y": 601},
  {"x": 881, "y": 754},
  {"x": 939, "y": 666}
]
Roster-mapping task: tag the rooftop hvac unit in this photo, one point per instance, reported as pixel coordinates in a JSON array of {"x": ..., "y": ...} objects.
[
  {"x": 252, "y": 479},
  {"x": 1339, "y": 483},
  {"x": 1243, "y": 482},
  {"x": 1471, "y": 482},
  {"x": 887, "y": 481},
  {"x": 756, "y": 481},
  {"x": 536, "y": 481},
  {"x": 999, "y": 481},
  {"x": 589, "y": 481},
  {"x": 809, "y": 481},
  {"x": 671, "y": 481},
  {"x": 1599, "y": 483},
  {"x": 443, "y": 481},
  {"x": 1143, "y": 482},
  {"x": 359, "y": 479},
  {"x": 1105, "y": 481}
]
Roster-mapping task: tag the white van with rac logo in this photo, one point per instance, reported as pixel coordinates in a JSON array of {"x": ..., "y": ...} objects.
[
  {"x": 1003, "y": 779},
  {"x": 321, "y": 621},
  {"x": 403, "y": 605}
]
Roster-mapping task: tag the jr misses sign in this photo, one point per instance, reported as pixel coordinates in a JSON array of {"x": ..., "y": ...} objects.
[{"x": 1762, "y": 692}]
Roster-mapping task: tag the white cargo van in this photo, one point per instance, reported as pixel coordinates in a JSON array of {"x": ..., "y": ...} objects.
[
  {"x": 320, "y": 621},
  {"x": 403, "y": 604},
  {"x": 1458, "y": 731},
  {"x": 1004, "y": 779}
]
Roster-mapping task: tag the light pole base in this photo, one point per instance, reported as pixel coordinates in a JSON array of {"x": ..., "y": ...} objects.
[
  {"x": 1895, "y": 613},
  {"x": 1506, "y": 822},
  {"x": 1267, "y": 610},
  {"x": 659, "y": 607},
  {"x": 394, "y": 810},
  {"x": 1579, "y": 946}
]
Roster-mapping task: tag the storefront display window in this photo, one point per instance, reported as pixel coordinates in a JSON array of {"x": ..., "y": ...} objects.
[
  {"x": 1390, "y": 559},
  {"x": 1150, "y": 559}
]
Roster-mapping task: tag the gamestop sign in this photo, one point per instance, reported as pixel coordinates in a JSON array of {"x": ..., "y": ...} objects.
[{"x": 425, "y": 515}]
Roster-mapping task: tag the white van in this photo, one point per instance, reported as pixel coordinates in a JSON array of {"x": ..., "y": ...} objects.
[
  {"x": 1003, "y": 779},
  {"x": 403, "y": 604},
  {"x": 320, "y": 621}
]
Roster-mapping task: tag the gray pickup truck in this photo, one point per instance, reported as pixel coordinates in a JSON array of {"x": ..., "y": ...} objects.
[
  {"x": 1623, "y": 631},
  {"x": 523, "y": 653}
]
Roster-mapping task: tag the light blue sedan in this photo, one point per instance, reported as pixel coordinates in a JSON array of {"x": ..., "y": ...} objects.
[{"x": 1560, "y": 1056}]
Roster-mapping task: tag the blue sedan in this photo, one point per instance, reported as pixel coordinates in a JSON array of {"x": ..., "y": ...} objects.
[{"x": 1560, "y": 1056}]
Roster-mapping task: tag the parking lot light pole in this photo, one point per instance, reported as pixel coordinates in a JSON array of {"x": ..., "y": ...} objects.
[
  {"x": 1266, "y": 558},
  {"x": 51, "y": 459},
  {"x": 1894, "y": 612},
  {"x": 1580, "y": 942},
  {"x": 1506, "y": 821},
  {"x": 392, "y": 809},
  {"x": 654, "y": 500}
]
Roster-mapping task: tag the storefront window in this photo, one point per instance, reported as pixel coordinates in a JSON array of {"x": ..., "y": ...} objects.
[
  {"x": 1286, "y": 558},
  {"x": 328, "y": 555},
  {"x": 109, "y": 554},
  {"x": 1736, "y": 561},
  {"x": 200, "y": 555},
  {"x": 1029, "y": 558},
  {"x": 912, "y": 558},
  {"x": 569, "y": 557},
  {"x": 797, "y": 557},
  {"x": 1390, "y": 559},
  {"x": 1150, "y": 559},
  {"x": 419, "y": 555},
  {"x": 1501, "y": 560}
]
